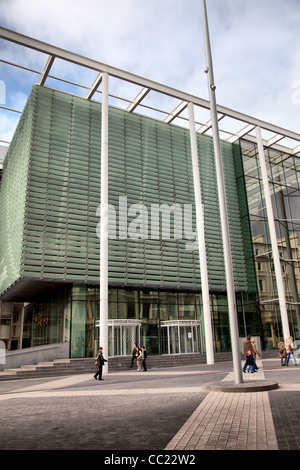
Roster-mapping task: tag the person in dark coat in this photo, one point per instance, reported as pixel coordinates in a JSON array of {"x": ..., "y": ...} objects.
[
  {"x": 100, "y": 364},
  {"x": 144, "y": 357},
  {"x": 250, "y": 363},
  {"x": 135, "y": 353}
]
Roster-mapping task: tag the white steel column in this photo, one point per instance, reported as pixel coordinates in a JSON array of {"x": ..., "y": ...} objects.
[
  {"x": 201, "y": 239},
  {"x": 273, "y": 236},
  {"x": 223, "y": 209},
  {"x": 104, "y": 223}
]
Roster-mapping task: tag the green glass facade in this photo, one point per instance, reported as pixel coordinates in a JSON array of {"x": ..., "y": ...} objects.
[{"x": 49, "y": 218}]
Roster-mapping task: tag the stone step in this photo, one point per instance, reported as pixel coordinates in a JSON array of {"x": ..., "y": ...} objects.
[
  {"x": 62, "y": 361},
  {"x": 28, "y": 367},
  {"x": 45, "y": 364},
  {"x": 62, "y": 367}
]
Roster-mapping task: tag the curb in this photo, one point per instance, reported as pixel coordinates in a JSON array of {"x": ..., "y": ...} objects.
[{"x": 249, "y": 386}]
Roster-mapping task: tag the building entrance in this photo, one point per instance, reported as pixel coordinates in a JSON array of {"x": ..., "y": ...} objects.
[
  {"x": 181, "y": 337},
  {"x": 122, "y": 334}
]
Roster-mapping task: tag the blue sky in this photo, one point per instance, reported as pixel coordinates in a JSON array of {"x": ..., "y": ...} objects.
[{"x": 255, "y": 48}]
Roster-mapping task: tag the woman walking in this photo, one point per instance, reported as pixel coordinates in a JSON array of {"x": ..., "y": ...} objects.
[
  {"x": 139, "y": 359},
  {"x": 290, "y": 351},
  {"x": 282, "y": 351}
]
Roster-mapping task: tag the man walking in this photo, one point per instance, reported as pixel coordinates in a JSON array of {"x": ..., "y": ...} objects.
[
  {"x": 134, "y": 354},
  {"x": 144, "y": 357},
  {"x": 247, "y": 348},
  {"x": 100, "y": 364}
]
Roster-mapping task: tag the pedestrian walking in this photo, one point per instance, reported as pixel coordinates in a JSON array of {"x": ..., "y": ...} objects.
[
  {"x": 290, "y": 350},
  {"x": 254, "y": 352},
  {"x": 144, "y": 357},
  {"x": 250, "y": 363},
  {"x": 139, "y": 360},
  {"x": 100, "y": 363},
  {"x": 247, "y": 347},
  {"x": 134, "y": 354},
  {"x": 282, "y": 351}
]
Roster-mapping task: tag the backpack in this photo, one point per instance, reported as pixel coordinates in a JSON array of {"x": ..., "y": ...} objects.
[{"x": 145, "y": 354}]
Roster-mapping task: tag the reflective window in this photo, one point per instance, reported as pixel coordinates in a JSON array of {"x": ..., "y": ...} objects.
[{"x": 283, "y": 173}]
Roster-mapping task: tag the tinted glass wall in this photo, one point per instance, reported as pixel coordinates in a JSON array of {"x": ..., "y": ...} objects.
[
  {"x": 50, "y": 224},
  {"x": 284, "y": 184},
  {"x": 149, "y": 312}
]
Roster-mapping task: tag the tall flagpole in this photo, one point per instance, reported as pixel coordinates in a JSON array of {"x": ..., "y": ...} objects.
[{"x": 223, "y": 208}]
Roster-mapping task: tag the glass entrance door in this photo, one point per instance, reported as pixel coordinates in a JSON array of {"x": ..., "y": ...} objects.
[
  {"x": 181, "y": 337},
  {"x": 122, "y": 335}
]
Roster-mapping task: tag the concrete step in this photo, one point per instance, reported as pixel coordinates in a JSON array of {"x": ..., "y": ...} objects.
[
  {"x": 62, "y": 361},
  {"x": 63, "y": 367}
]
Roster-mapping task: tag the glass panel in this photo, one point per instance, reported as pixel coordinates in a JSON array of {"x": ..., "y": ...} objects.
[
  {"x": 196, "y": 339},
  {"x": 168, "y": 297},
  {"x": 125, "y": 295},
  {"x": 112, "y": 310},
  {"x": 79, "y": 293},
  {"x": 149, "y": 305},
  {"x": 187, "y": 342},
  {"x": 173, "y": 340},
  {"x": 168, "y": 306},
  {"x": 117, "y": 341},
  {"x": 149, "y": 311},
  {"x": 128, "y": 310},
  {"x": 284, "y": 188},
  {"x": 186, "y": 337},
  {"x": 128, "y": 339},
  {"x": 44, "y": 322},
  {"x": 148, "y": 296},
  {"x": 121, "y": 339},
  {"x": 110, "y": 341},
  {"x": 112, "y": 295},
  {"x": 78, "y": 329},
  {"x": 186, "y": 306},
  {"x": 164, "y": 340}
]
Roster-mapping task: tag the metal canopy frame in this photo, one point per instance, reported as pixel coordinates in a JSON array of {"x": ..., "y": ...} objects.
[{"x": 245, "y": 124}]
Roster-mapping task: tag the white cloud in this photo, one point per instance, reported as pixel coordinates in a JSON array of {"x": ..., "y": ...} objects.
[
  {"x": 8, "y": 123},
  {"x": 255, "y": 44}
]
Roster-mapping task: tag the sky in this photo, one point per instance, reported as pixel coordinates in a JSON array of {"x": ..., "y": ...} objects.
[{"x": 255, "y": 49}]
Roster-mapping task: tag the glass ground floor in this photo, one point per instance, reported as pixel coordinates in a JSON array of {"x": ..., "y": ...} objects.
[{"x": 165, "y": 322}]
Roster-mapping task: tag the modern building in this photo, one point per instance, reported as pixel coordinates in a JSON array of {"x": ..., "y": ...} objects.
[{"x": 58, "y": 284}]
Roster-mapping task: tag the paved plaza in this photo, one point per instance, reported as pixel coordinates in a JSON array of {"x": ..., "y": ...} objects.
[{"x": 165, "y": 410}]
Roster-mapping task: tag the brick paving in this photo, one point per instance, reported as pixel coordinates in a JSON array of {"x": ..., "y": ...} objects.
[
  {"x": 228, "y": 421},
  {"x": 285, "y": 408},
  {"x": 165, "y": 410}
]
